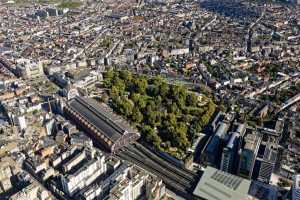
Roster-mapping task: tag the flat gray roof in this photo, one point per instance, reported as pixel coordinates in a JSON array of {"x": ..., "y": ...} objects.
[{"x": 218, "y": 185}]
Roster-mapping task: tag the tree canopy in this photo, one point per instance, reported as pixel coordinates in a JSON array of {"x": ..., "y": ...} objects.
[{"x": 168, "y": 116}]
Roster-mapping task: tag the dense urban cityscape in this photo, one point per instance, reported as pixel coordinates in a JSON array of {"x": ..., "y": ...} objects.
[{"x": 149, "y": 100}]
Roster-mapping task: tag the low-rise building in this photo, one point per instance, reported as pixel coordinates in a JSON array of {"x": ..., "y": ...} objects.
[
  {"x": 83, "y": 175},
  {"x": 28, "y": 69},
  {"x": 32, "y": 191},
  {"x": 216, "y": 184}
]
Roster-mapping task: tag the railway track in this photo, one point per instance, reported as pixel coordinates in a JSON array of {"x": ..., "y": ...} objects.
[
  {"x": 175, "y": 187},
  {"x": 170, "y": 182},
  {"x": 152, "y": 166},
  {"x": 162, "y": 164},
  {"x": 185, "y": 173},
  {"x": 178, "y": 179}
]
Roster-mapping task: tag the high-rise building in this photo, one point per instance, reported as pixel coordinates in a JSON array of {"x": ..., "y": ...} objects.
[
  {"x": 213, "y": 150},
  {"x": 229, "y": 152},
  {"x": 296, "y": 188},
  {"x": 229, "y": 155},
  {"x": 248, "y": 155},
  {"x": 267, "y": 165}
]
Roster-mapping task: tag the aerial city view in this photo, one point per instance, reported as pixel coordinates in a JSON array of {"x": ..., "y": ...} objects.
[{"x": 149, "y": 99}]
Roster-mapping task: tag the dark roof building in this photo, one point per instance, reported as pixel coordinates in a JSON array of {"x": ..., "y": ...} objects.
[
  {"x": 98, "y": 120},
  {"x": 248, "y": 155},
  {"x": 213, "y": 150}
]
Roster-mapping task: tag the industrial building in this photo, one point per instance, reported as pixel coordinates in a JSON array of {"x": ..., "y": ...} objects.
[{"x": 98, "y": 120}]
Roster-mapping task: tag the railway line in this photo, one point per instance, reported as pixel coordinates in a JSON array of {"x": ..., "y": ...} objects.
[
  {"x": 175, "y": 187},
  {"x": 177, "y": 179},
  {"x": 166, "y": 176},
  {"x": 147, "y": 161},
  {"x": 187, "y": 174}
]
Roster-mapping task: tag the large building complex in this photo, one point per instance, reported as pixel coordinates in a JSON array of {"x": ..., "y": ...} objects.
[{"x": 98, "y": 120}]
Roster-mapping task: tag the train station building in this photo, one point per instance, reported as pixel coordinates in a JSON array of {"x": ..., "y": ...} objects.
[{"x": 99, "y": 121}]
